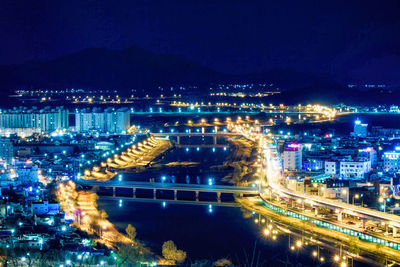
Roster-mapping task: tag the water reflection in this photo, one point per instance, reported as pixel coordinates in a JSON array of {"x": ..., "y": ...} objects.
[{"x": 214, "y": 231}]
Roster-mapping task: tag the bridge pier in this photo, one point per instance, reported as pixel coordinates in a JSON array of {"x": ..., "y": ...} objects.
[
  {"x": 363, "y": 222},
  {"x": 215, "y": 140},
  {"x": 154, "y": 193},
  {"x": 394, "y": 231},
  {"x": 197, "y": 196},
  {"x": 316, "y": 211},
  {"x": 175, "y": 194},
  {"x": 219, "y": 197},
  {"x": 241, "y": 195},
  {"x": 114, "y": 191},
  {"x": 340, "y": 216},
  {"x": 133, "y": 192},
  {"x": 178, "y": 139}
]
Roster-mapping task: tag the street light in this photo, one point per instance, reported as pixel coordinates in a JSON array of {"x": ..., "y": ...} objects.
[
  {"x": 356, "y": 196},
  {"x": 382, "y": 200}
]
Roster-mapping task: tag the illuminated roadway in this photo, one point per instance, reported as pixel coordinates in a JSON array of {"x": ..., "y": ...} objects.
[
  {"x": 274, "y": 184},
  {"x": 277, "y": 188},
  {"x": 344, "y": 207},
  {"x": 220, "y": 134}
]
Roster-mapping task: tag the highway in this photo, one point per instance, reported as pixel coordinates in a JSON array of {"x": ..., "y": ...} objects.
[
  {"x": 218, "y": 134},
  {"x": 393, "y": 220},
  {"x": 273, "y": 182}
]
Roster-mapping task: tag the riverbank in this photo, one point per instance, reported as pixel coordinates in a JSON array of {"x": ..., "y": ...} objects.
[
  {"x": 81, "y": 207},
  {"x": 242, "y": 159},
  {"x": 381, "y": 253}
]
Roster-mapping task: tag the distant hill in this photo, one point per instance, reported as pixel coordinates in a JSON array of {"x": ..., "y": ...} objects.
[
  {"x": 129, "y": 68},
  {"x": 102, "y": 68},
  {"x": 136, "y": 68}
]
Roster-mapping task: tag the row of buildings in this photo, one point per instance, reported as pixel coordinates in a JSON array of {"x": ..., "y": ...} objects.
[
  {"x": 47, "y": 119},
  {"x": 353, "y": 157},
  {"x": 24, "y": 121},
  {"x": 109, "y": 120},
  {"x": 335, "y": 165}
]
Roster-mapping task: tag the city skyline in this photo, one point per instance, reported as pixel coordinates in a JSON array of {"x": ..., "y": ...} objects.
[{"x": 199, "y": 133}]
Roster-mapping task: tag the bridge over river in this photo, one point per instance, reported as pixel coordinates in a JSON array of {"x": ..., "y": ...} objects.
[{"x": 175, "y": 187}]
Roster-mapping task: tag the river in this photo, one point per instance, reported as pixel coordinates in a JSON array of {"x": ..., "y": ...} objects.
[{"x": 216, "y": 232}]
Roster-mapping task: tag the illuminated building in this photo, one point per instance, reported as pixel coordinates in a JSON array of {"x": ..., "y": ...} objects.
[
  {"x": 45, "y": 207},
  {"x": 370, "y": 154},
  {"x": 46, "y": 119},
  {"x": 107, "y": 121},
  {"x": 354, "y": 168},
  {"x": 332, "y": 167},
  {"x": 360, "y": 129},
  {"x": 391, "y": 161},
  {"x": 292, "y": 156}
]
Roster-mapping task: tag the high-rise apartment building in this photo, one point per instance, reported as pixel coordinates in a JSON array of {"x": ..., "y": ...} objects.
[
  {"x": 46, "y": 119},
  {"x": 107, "y": 121}
]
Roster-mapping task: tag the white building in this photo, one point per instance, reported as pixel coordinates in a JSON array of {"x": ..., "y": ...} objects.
[
  {"x": 122, "y": 120},
  {"x": 370, "y": 154},
  {"x": 354, "y": 169},
  {"x": 391, "y": 161},
  {"x": 360, "y": 129},
  {"x": 292, "y": 156},
  {"x": 86, "y": 120},
  {"x": 107, "y": 121},
  {"x": 45, "y": 207},
  {"x": 332, "y": 167},
  {"x": 46, "y": 119}
]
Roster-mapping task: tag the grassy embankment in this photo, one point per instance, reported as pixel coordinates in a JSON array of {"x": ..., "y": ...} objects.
[
  {"x": 354, "y": 244},
  {"x": 241, "y": 161}
]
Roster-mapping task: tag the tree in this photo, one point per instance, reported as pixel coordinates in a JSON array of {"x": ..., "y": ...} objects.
[
  {"x": 379, "y": 255},
  {"x": 130, "y": 254},
  {"x": 170, "y": 252},
  {"x": 223, "y": 263},
  {"x": 131, "y": 232},
  {"x": 353, "y": 245}
]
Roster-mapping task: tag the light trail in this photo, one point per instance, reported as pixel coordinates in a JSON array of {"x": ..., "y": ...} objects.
[{"x": 273, "y": 182}]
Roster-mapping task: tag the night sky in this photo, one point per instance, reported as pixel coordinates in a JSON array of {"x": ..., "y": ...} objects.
[{"x": 353, "y": 38}]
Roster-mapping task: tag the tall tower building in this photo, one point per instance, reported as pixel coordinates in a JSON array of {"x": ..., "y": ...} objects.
[{"x": 292, "y": 156}]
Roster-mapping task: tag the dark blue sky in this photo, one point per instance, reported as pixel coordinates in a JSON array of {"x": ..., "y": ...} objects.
[{"x": 345, "y": 38}]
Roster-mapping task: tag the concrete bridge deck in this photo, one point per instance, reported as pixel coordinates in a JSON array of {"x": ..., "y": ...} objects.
[{"x": 171, "y": 186}]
